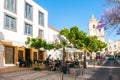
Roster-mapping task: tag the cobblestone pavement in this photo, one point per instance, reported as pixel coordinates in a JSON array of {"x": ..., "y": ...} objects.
[
  {"x": 16, "y": 73},
  {"x": 30, "y": 74}
]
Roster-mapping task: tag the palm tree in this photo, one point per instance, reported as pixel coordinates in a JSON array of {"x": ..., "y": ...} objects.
[{"x": 64, "y": 44}]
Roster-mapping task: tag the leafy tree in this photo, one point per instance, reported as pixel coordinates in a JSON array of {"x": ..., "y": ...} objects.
[
  {"x": 111, "y": 16},
  {"x": 38, "y": 43},
  {"x": 101, "y": 45},
  {"x": 89, "y": 44},
  {"x": 75, "y": 36},
  {"x": 64, "y": 44},
  {"x": 49, "y": 46},
  {"x": 80, "y": 41},
  {"x": 64, "y": 32},
  {"x": 93, "y": 44}
]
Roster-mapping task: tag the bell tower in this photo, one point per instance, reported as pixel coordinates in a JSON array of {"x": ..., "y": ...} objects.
[{"x": 94, "y": 31}]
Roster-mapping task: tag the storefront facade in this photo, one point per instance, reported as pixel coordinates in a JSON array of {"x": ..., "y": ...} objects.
[
  {"x": 9, "y": 54},
  {"x": 23, "y": 19}
]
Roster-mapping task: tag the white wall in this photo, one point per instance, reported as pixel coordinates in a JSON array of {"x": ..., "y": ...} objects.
[
  {"x": 19, "y": 36},
  {"x": 52, "y": 32},
  {"x": 113, "y": 46}
]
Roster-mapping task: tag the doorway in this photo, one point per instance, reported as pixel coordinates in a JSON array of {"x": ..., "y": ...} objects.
[
  {"x": 34, "y": 57},
  {"x": 20, "y": 54},
  {"x": 40, "y": 55},
  {"x": 27, "y": 54}
]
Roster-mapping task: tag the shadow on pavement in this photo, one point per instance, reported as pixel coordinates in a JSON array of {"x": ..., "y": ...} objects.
[{"x": 106, "y": 73}]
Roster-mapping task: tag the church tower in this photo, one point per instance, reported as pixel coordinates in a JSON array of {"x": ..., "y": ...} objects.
[{"x": 93, "y": 31}]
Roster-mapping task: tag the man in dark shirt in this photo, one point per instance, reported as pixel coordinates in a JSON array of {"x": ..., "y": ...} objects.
[{"x": 57, "y": 64}]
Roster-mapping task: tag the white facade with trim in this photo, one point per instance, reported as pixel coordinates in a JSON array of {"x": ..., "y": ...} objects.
[{"x": 20, "y": 19}]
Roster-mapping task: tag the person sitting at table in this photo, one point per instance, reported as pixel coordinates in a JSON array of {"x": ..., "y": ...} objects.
[
  {"x": 57, "y": 64},
  {"x": 21, "y": 62},
  {"x": 76, "y": 63}
]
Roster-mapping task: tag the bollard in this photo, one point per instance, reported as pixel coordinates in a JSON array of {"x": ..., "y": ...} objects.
[
  {"x": 82, "y": 72},
  {"x": 94, "y": 64},
  {"x": 62, "y": 76},
  {"x": 81, "y": 69},
  {"x": 17, "y": 64},
  {"x": 75, "y": 74}
]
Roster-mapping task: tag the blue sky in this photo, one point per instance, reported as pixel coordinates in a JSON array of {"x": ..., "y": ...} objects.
[{"x": 68, "y": 13}]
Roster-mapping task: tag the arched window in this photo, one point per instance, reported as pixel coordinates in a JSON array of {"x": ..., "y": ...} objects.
[
  {"x": 99, "y": 30},
  {"x": 93, "y": 26}
]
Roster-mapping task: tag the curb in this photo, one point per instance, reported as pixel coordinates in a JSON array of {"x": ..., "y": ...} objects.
[
  {"x": 98, "y": 65},
  {"x": 118, "y": 61},
  {"x": 104, "y": 61}
]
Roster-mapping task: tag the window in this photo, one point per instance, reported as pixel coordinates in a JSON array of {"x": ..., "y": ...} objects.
[
  {"x": 28, "y": 29},
  {"x": 10, "y": 23},
  {"x": 54, "y": 37},
  {"x": 93, "y": 26},
  {"x": 41, "y": 18},
  {"x": 115, "y": 46},
  {"x": 9, "y": 55},
  {"x": 10, "y": 5},
  {"x": 28, "y": 11},
  {"x": 99, "y": 30},
  {"x": 109, "y": 47},
  {"x": 40, "y": 34}
]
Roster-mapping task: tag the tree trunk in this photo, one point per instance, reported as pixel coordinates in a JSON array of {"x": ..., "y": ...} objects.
[{"x": 64, "y": 54}]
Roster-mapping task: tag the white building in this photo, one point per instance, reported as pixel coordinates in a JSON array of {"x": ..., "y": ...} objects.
[
  {"x": 20, "y": 19},
  {"x": 53, "y": 38},
  {"x": 113, "y": 47},
  {"x": 52, "y": 34},
  {"x": 93, "y": 31}
]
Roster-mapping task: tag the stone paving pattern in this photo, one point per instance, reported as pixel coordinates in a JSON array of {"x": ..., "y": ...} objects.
[{"x": 16, "y": 73}]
